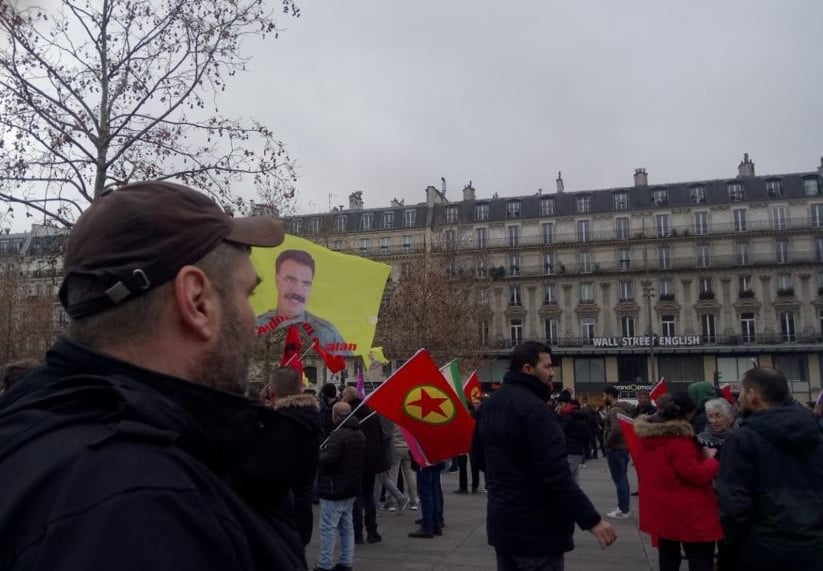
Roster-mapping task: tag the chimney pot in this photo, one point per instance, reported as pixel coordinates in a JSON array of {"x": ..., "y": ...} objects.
[
  {"x": 746, "y": 167},
  {"x": 469, "y": 192},
  {"x": 560, "y": 186},
  {"x": 641, "y": 177}
]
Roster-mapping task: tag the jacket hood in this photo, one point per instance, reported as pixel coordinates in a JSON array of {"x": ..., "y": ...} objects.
[
  {"x": 644, "y": 428},
  {"x": 297, "y": 401},
  {"x": 530, "y": 382},
  {"x": 624, "y": 406},
  {"x": 700, "y": 392},
  {"x": 790, "y": 427}
]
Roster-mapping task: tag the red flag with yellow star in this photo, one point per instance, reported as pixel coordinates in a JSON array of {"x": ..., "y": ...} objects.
[
  {"x": 471, "y": 388},
  {"x": 418, "y": 398}
]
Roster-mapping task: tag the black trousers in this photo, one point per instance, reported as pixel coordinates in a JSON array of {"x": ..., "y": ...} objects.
[
  {"x": 364, "y": 505},
  {"x": 463, "y": 477},
  {"x": 699, "y": 555}
]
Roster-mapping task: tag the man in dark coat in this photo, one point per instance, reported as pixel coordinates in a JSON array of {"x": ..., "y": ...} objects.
[
  {"x": 338, "y": 484},
  {"x": 133, "y": 447},
  {"x": 770, "y": 485},
  {"x": 533, "y": 501},
  {"x": 375, "y": 462}
]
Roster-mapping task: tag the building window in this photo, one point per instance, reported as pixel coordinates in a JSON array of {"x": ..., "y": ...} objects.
[
  {"x": 514, "y": 236},
  {"x": 513, "y": 209},
  {"x": 514, "y": 265},
  {"x": 366, "y": 220},
  {"x": 516, "y": 326},
  {"x": 811, "y": 186},
  {"x": 549, "y": 294},
  {"x": 664, "y": 257},
  {"x": 784, "y": 284},
  {"x": 337, "y": 245},
  {"x": 747, "y": 325},
  {"x": 621, "y": 200},
  {"x": 735, "y": 192},
  {"x": 480, "y": 271},
  {"x": 451, "y": 215},
  {"x": 407, "y": 243},
  {"x": 779, "y": 217},
  {"x": 787, "y": 326},
  {"x": 385, "y": 245},
  {"x": 548, "y": 232},
  {"x": 484, "y": 333},
  {"x": 623, "y": 228},
  {"x": 480, "y": 237},
  {"x": 745, "y": 282},
  {"x": 625, "y": 291},
  {"x": 548, "y": 263},
  {"x": 550, "y": 325},
  {"x": 704, "y": 258},
  {"x": 585, "y": 262},
  {"x": 584, "y": 204},
  {"x": 742, "y": 253},
  {"x": 739, "y": 215},
  {"x": 314, "y": 226},
  {"x": 364, "y": 245},
  {"x": 820, "y": 282},
  {"x": 698, "y": 194},
  {"x": 781, "y": 251},
  {"x": 546, "y": 207},
  {"x": 706, "y": 289},
  {"x": 388, "y": 220},
  {"x": 701, "y": 223},
  {"x": 409, "y": 218},
  {"x": 666, "y": 288},
  {"x": 296, "y": 225},
  {"x": 709, "y": 327},
  {"x": 341, "y": 223},
  {"x": 587, "y": 292},
  {"x": 818, "y": 248},
  {"x": 817, "y": 215},
  {"x": 667, "y": 326},
  {"x": 660, "y": 197},
  {"x": 450, "y": 238},
  {"x": 627, "y": 326},
  {"x": 624, "y": 260},
  {"x": 663, "y": 229},
  {"x": 481, "y": 212},
  {"x": 774, "y": 189},
  {"x": 587, "y": 330},
  {"x": 584, "y": 231},
  {"x": 514, "y": 295}
]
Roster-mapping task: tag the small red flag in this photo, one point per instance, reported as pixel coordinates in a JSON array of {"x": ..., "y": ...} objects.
[
  {"x": 418, "y": 398},
  {"x": 627, "y": 426},
  {"x": 292, "y": 350},
  {"x": 661, "y": 388},
  {"x": 471, "y": 388},
  {"x": 334, "y": 363},
  {"x": 726, "y": 389}
]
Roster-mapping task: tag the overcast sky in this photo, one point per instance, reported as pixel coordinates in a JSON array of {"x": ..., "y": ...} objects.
[{"x": 387, "y": 96}]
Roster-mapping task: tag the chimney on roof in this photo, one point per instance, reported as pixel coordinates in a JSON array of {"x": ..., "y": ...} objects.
[
  {"x": 469, "y": 192},
  {"x": 356, "y": 200},
  {"x": 820, "y": 168},
  {"x": 641, "y": 177},
  {"x": 746, "y": 167},
  {"x": 560, "y": 186},
  {"x": 397, "y": 203},
  {"x": 443, "y": 184}
]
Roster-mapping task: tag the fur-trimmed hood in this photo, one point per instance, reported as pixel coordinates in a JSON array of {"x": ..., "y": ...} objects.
[
  {"x": 646, "y": 428},
  {"x": 301, "y": 400}
]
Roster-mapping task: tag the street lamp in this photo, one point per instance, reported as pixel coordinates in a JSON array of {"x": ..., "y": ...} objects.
[{"x": 648, "y": 293}]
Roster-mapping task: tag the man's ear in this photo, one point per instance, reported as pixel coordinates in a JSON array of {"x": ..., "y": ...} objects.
[{"x": 197, "y": 302}]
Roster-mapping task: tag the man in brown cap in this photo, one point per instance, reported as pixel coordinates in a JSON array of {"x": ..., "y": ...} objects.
[{"x": 134, "y": 447}]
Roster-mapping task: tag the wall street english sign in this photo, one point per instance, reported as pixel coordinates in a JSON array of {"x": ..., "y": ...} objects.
[{"x": 647, "y": 341}]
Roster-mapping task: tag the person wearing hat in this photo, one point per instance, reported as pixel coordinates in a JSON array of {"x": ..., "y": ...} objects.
[{"x": 134, "y": 447}]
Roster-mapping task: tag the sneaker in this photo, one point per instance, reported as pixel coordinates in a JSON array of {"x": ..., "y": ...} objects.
[
  {"x": 392, "y": 509},
  {"x": 375, "y": 538},
  {"x": 617, "y": 514},
  {"x": 421, "y": 533},
  {"x": 482, "y": 490},
  {"x": 413, "y": 507}
]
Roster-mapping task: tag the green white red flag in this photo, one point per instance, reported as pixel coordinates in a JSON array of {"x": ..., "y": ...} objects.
[
  {"x": 451, "y": 371},
  {"x": 418, "y": 398}
]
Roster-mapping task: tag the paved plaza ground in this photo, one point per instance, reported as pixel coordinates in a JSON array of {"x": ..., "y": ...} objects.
[{"x": 463, "y": 544}]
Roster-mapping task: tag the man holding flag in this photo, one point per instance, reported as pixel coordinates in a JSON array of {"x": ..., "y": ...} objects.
[{"x": 533, "y": 501}]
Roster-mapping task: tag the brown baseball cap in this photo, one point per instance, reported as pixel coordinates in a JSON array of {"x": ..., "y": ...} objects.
[{"x": 137, "y": 237}]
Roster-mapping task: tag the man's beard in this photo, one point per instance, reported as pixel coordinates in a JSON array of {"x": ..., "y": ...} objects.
[{"x": 226, "y": 367}]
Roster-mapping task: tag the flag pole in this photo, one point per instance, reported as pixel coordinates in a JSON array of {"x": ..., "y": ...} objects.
[{"x": 303, "y": 354}]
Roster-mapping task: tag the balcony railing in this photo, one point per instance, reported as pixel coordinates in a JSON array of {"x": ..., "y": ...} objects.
[
  {"x": 785, "y": 292},
  {"x": 745, "y": 294},
  {"x": 706, "y": 295}
]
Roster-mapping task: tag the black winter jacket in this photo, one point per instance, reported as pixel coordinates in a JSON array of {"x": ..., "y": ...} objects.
[
  {"x": 376, "y": 461},
  {"x": 303, "y": 407},
  {"x": 770, "y": 490},
  {"x": 576, "y": 430},
  {"x": 533, "y": 502},
  {"x": 341, "y": 462},
  {"x": 130, "y": 469}
]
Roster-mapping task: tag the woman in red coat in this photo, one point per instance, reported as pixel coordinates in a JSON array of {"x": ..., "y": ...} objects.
[{"x": 677, "y": 502}]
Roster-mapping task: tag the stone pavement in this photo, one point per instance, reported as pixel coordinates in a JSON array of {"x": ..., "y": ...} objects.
[{"x": 463, "y": 543}]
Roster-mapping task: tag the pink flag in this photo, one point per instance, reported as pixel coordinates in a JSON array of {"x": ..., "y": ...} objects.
[
  {"x": 661, "y": 388},
  {"x": 361, "y": 385},
  {"x": 414, "y": 448}
]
